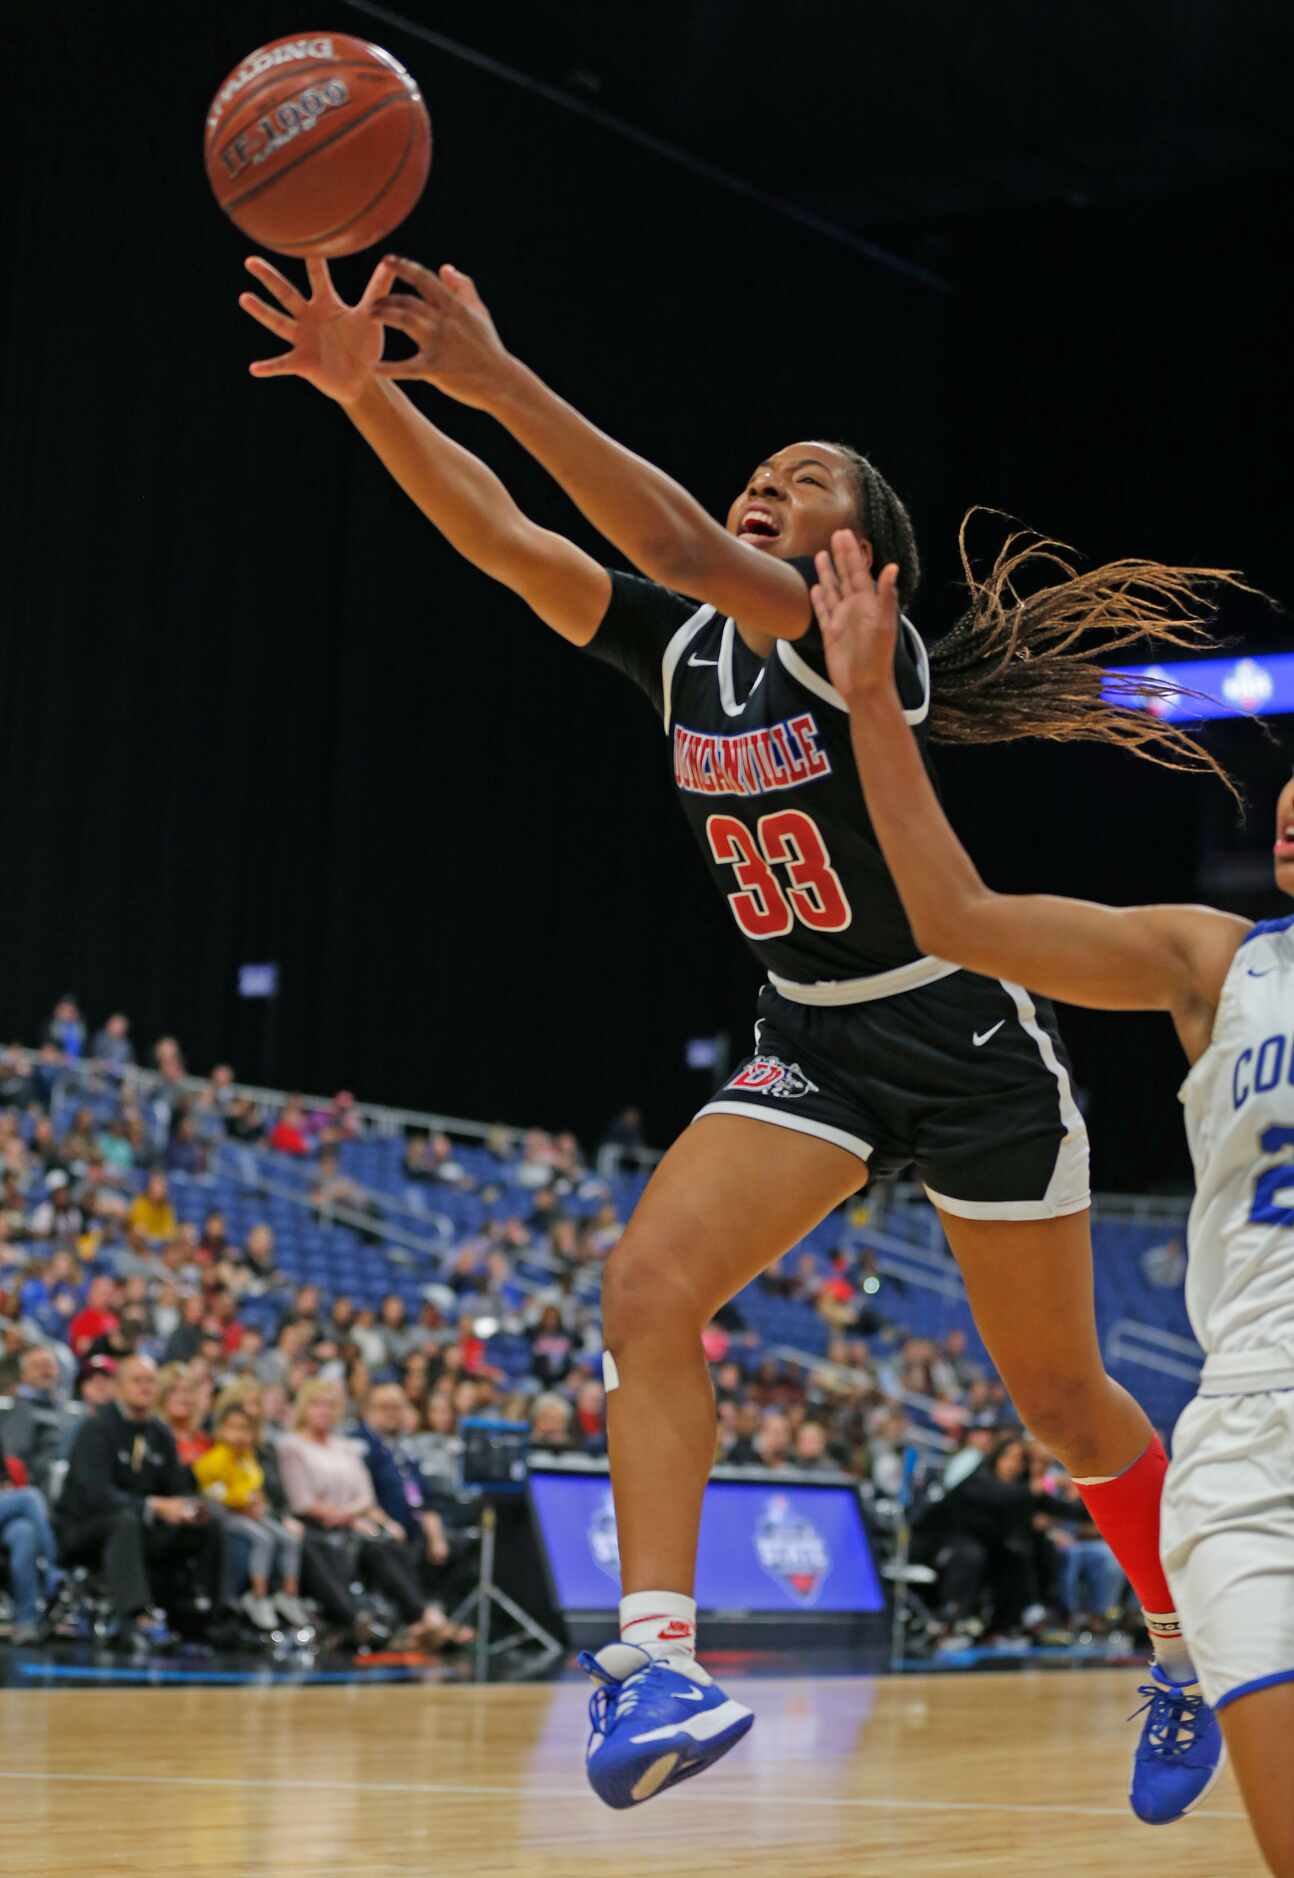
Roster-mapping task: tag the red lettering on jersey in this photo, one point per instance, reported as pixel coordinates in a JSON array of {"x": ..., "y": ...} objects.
[
  {"x": 710, "y": 781},
  {"x": 691, "y": 768},
  {"x": 730, "y": 753},
  {"x": 806, "y": 734},
  {"x": 719, "y": 765},
  {"x": 776, "y": 758},
  {"x": 748, "y": 763},
  {"x": 763, "y": 758},
  {"x": 762, "y": 907},
  {"x": 797, "y": 768}
]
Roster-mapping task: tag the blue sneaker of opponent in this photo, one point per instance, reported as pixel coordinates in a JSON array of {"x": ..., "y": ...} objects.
[
  {"x": 654, "y": 1722},
  {"x": 1180, "y": 1754}
]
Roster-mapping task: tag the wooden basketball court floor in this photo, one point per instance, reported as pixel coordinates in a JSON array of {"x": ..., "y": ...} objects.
[{"x": 958, "y": 1774}]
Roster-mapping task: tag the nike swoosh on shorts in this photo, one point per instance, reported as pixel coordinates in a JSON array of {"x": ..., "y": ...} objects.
[{"x": 978, "y": 1040}]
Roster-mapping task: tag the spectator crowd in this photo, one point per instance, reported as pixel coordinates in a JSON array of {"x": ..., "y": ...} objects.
[{"x": 232, "y": 1453}]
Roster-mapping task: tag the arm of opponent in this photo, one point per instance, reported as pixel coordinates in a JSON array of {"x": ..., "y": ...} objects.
[
  {"x": 653, "y": 520},
  {"x": 335, "y": 347},
  {"x": 1148, "y": 958}
]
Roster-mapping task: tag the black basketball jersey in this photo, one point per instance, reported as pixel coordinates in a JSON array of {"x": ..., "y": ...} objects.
[{"x": 767, "y": 778}]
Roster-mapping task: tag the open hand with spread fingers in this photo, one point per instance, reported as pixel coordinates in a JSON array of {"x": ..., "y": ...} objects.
[
  {"x": 459, "y": 351},
  {"x": 859, "y": 617},
  {"x": 334, "y": 346}
]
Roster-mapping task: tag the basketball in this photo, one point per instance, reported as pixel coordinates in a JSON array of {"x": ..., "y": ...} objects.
[{"x": 318, "y": 144}]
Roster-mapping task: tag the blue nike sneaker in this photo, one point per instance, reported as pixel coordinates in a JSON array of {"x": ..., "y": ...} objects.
[
  {"x": 1180, "y": 1754},
  {"x": 654, "y": 1723}
]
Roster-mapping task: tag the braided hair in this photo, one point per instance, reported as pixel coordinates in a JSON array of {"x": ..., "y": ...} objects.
[
  {"x": 885, "y": 522},
  {"x": 1026, "y": 658}
]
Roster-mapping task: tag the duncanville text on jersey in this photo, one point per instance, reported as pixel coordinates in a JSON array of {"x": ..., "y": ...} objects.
[{"x": 749, "y": 762}]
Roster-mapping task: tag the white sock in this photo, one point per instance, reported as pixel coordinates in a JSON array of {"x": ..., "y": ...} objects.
[
  {"x": 661, "y": 1622},
  {"x": 1164, "y": 1628}
]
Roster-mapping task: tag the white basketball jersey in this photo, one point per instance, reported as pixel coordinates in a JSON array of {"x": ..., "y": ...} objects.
[{"x": 1239, "y": 1102}]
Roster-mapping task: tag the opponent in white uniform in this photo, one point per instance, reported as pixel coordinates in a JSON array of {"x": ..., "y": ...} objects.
[
  {"x": 1227, "y": 1532},
  {"x": 1227, "y": 1529}
]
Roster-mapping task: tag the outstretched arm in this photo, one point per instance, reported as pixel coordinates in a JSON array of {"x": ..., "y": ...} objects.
[
  {"x": 335, "y": 347},
  {"x": 652, "y": 519},
  {"x": 1149, "y": 958}
]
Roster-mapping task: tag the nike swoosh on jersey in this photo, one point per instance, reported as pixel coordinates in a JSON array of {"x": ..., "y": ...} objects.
[
  {"x": 694, "y": 660},
  {"x": 980, "y": 1039},
  {"x": 1263, "y": 974}
]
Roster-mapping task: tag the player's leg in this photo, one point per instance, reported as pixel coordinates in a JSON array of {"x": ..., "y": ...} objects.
[
  {"x": 1259, "y": 1728},
  {"x": 1228, "y": 1539},
  {"x": 730, "y": 1197},
  {"x": 1030, "y": 1285},
  {"x": 1004, "y": 1159}
]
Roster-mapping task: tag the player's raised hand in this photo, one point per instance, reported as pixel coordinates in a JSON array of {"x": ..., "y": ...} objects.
[
  {"x": 859, "y": 617},
  {"x": 334, "y": 346},
  {"x": 459, "y": 351}
]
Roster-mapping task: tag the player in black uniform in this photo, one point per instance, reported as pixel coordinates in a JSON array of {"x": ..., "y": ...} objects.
[{"x": 868, "y": 1056}]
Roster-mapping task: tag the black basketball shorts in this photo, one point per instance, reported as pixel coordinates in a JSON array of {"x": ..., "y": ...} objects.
[{"x": 966, "y": 1080}]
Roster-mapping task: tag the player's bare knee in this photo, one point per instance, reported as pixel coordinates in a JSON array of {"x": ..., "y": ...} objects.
[
  {"x": 1060, "y": 1411},
  {"x": 644, "y": 1295}
]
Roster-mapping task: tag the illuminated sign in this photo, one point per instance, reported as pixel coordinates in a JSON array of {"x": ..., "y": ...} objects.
[
  {"x": 1261, "y": 686},
  {"x": 766, "y": 1545}
]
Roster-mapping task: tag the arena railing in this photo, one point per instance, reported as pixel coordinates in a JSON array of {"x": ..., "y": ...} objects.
[
  {"x": 249, "y": 1159},
  {"x": 843, "y": 1374},
  {"x": 895, "y": 1258},
  {"x": 395, "y": 1238},
  {"x": 383, "y": 1118},
  {"x": 1132, "y": 1209},
  {"x": 1130, "y": 1341},
  {"x": 391, "y": 1121}
]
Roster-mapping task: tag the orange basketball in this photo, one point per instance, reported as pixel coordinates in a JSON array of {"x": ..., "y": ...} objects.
[{"x": 318, "y": 144}]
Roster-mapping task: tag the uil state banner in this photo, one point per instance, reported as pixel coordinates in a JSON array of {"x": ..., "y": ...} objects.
[
  {"x": 1263, "y": 684},
  {"x": 766, "y": 1546}
]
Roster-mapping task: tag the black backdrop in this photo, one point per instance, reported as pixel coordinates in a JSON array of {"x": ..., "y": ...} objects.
[{"x": 252, "y": 708}]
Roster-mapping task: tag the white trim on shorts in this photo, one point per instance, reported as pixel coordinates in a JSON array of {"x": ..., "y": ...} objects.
[
  {"x": 1069, "y": 1189},
  {"x": 831, "y": 991},
  {"x": 1227, "y": 1538},
  {"x": 1006, "y": 1209},
  {"x": 1252, "y": 1688},
  {"x": 802, "y": 1125}
]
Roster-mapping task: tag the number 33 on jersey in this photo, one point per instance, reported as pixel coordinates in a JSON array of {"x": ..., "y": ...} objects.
[
  {"x": 767, "y": 779},
  {"x": 762, "y": 907}
]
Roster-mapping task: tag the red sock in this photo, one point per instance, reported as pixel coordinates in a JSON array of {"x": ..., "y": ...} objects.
[{"x": 1126, "y": 1511}]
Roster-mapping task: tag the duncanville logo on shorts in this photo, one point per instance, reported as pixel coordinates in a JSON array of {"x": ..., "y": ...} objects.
[{"x": 769, "y": 1075}]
